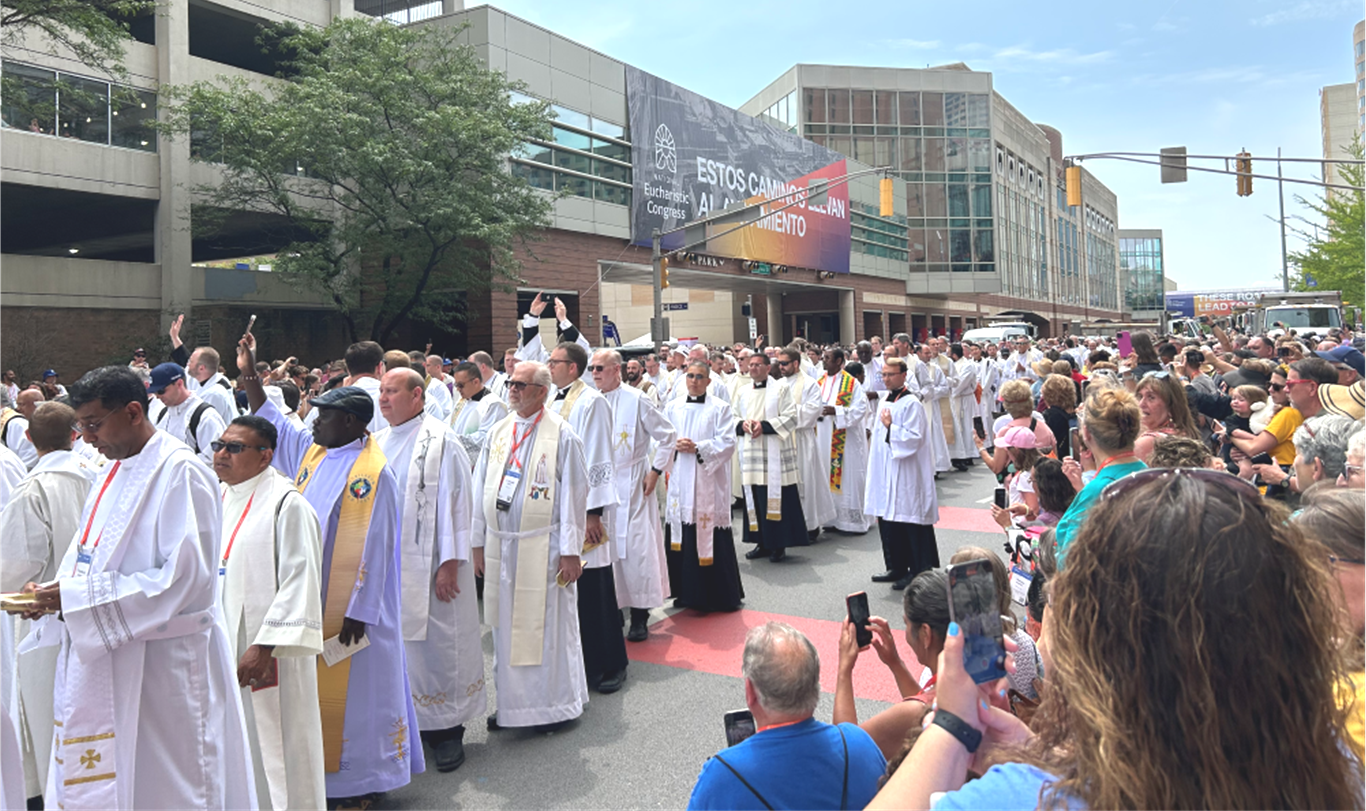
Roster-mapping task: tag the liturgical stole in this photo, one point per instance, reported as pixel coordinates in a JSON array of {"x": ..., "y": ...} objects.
[{"x": 419, "y": 527}]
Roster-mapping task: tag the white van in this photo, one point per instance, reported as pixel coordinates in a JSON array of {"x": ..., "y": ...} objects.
[{"x": 994, "y": 335}]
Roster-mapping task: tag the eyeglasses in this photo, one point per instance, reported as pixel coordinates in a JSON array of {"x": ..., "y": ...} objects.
[
  {"x": 696, "y": 376},
  {"x": 1348, "y": 471},
  {"x": 1278, "y": 387},
  {"x": 598, "y": 368},
  {"x": 554, "y": 361},
  {"x": 1290, "y": 383},
  {"x": 235, "y": 448},
  {"x": 1355, "y": 561},
  {"x": 1228, "y": 481},
  {"x": 517, "y": 385},
  {"x": 91, "y": 427}
]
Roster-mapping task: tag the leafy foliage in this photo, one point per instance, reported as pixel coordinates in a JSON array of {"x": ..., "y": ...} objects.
[
  {"x": 1335, "y": 255},
  {"x": 382, "y": 152},
  {"x": 95, "y": 31}
]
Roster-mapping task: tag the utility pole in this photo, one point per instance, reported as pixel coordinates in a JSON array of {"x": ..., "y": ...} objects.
[
  {"x": 1280, "y": 189},
  {"x": 659, "y": 329}
]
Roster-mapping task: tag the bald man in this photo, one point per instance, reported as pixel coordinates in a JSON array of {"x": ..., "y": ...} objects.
[
  {"x": 440, "y": 616},
  {"x": 36, "y": 528},
  {"x": 437, "y": 389}
]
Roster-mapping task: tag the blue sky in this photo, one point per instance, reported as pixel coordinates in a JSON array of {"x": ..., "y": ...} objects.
[{"x": 1215, "y": 77}]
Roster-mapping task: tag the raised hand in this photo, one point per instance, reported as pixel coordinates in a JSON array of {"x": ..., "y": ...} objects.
[
  {"x": 538, "y": 305},
  {"x": 561, "y": 311},
  {"x": 175, "y": 331}
]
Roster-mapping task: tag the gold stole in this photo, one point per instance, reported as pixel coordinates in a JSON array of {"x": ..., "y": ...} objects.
[
  {"x": 533, "y": 533},
  {"x": 946, "y": 409},
  {"x": 567, "y": 404},
  {"x": 348, "y": 549}
]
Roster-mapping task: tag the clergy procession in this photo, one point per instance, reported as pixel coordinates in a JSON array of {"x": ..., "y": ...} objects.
[{"x": 275, "y": 586}]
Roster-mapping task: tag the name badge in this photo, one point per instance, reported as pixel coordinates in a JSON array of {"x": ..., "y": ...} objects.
[
  {"x": 82, "y": 564},
  {"x": 507, "y": 487},
  {"x": 222, "y": 571}
]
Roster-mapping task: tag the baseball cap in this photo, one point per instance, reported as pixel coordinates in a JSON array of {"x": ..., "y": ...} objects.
[
  {"x": 1346, "y": 355},
  {"x": 164, "y": 375},
  {"x": 353, "y": 400},
  {"x": 49, "y": 373},
  {"x": 1016, "y": 436}
]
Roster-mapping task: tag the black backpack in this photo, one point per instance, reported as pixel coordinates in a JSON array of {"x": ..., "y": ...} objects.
[{"x": 193, "y": 438}]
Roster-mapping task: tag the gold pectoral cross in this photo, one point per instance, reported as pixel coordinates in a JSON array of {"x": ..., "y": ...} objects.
[
  {"x": 90, "y": 758},
  {"x": 623, "y": 438}
]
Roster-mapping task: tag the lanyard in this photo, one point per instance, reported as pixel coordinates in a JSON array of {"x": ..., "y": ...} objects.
[
  {"x": 517, "y": 443},
  {"x": 95, "y": 511},
  {"x": 228, "y": 551},
  {"x": 776, "y": 726},
  {"x": 1107, "y": 462}
]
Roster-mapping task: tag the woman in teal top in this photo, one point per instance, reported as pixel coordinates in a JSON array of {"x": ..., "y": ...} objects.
[{"x": 1110, "y": 425}]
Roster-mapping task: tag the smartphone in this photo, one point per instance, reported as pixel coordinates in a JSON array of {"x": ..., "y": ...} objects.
[
  {"x": 1261, "y": 459},
  {"x": 1001, "y": 497},
  {"x": 250, "y": 323},
  {"x": 1282, "y": 351},
  {"x": 857, "y": 603},
  {"x": 1126, "y": 346},
  {"x": 739, "y": 725},
  {"x": 978, "y": 428},
  {"x": 1075, "y": 444},
  {"x": 975, "y": 606}
]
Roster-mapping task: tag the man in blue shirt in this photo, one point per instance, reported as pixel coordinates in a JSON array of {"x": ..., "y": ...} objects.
[{"x": 793, "y": 761}]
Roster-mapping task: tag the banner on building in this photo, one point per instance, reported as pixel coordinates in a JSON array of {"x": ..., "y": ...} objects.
[
  {"x": 692, "y": 157},
  {"x": 1214, "y": 303}
]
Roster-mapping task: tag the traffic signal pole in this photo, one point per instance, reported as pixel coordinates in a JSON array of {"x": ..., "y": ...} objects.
[{"x": 1280, "y": 189}]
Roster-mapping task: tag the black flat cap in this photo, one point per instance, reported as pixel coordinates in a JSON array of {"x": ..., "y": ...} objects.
[{"x": 351, "y": 399}]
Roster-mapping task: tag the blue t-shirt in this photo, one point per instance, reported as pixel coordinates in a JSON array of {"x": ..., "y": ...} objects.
[
  {"x": 1010, "y": 785},
  {"x": 1070, "y": 525},
  {"x": 795, "y": 766}
]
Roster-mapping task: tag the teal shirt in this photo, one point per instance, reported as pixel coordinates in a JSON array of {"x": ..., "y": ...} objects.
[{"x": 1070, "y": 525}]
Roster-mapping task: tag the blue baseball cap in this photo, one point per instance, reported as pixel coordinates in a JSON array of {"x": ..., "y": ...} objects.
[
  {"x": 49, "y": 373},
  {"x": 164, "y": 375},
  {"x": 1345, "y": 355}
]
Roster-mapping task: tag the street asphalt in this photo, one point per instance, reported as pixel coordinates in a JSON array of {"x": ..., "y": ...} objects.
[{"x": 644, "y": 746}]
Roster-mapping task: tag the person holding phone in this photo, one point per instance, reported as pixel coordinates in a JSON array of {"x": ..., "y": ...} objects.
[
  {"x": 1110, "y": 427},
  {"x": 1218, "y": 579}
]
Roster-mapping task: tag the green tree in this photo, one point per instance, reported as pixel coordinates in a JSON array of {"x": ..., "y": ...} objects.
[
  {"x": 95, "y": 31},
  {"x": 1335, "y": 251},
  {"x": 381, "y": 155}
]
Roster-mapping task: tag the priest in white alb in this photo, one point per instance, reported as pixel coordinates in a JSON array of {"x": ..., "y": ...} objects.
[
  {"x": 440, "y": 612},
  {"x": 703, "y": 572},
  {"x": 640, "y": 437},
  {"x": 963, "y": 406},
  {"x": 813, "y": 461},
  {"x": 145, "y": 702},
  {"x": 839, "y": 432},
  {"x": 765, "y": 419},
  {"x": 271, "y": 571},
  {"x": 531, "y": 499},
  {"x": 476, "y": 411},
  {"x": 36, "y": 527},
  {"x": 928, "y": 382},
  {"x": 901, "y": 490}
]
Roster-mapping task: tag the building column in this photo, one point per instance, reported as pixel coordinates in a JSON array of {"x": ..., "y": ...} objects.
[
  {"x": 173, "y": 239},
  {"x": 775, "y": 320},
  {"x": 848, "y": 329}
]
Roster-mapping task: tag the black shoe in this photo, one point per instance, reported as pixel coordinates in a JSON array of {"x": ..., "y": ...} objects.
[
  {"x": 493, "y": 725},
  {"x": 888, "y": 576},
  {"x": 612, "y": 682},
  {"x": 903, "y": 582},
  {"x": 450, "y": 754},
  {"x": 640, "y": 619},
  {"x": 778, "y": 555},
  {"x": 360, "y": 803},
  {"x": 555, "y": 727},
  {"x": 756, "y": 553},
  {"x": 813, "y": 534}
]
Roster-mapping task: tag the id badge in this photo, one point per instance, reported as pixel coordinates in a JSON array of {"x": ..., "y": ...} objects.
[
  {"x": 83, "y": 564},
  {"x": 507, "y": 488}
]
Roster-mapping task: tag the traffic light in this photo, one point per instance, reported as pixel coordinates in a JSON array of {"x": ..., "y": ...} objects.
[
  {"x": 1244, "y": 174},
  {"x": 663, "y": 273},
  {"x": 1073, "y": 178},
  {"x": 886, "y": 208}
]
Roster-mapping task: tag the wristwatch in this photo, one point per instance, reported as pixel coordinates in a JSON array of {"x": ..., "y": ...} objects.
[{"x": 970, "y": 737}]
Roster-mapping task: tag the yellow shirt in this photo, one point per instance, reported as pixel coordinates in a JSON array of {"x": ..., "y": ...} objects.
[
  {"x": 1282, "y": 426},
  {"x": 1354, "y": 695}
]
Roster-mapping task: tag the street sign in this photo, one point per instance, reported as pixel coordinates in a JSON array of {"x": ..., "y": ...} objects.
[
  {"x": 676, "y": 306},
  {"x": 761, "y": 269},
  {"x": 1173, "y": 164},
  {"x": 753, "y": 329}
]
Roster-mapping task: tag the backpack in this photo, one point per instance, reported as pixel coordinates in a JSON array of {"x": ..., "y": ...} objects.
[
  {"x": 193, "y": 439},
  {"x": 7, "y": 416}
]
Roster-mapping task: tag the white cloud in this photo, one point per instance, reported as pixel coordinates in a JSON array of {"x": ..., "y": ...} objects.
[
  {"x": 1059, "y": 56},
  {"x": 915, "y": 44},
  {"x": 1306, "y": 10}
]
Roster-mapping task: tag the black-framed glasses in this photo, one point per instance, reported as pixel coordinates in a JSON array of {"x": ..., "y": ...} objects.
[
  {"x": 1228, "y": 481},
  {"x": 599, "y": 368},
  {"x": 235, "y": 448},
  {"x": 517, "y": 385},
  {"x": 1278, "y": 387},
  {"x": 91, "y": 427}
]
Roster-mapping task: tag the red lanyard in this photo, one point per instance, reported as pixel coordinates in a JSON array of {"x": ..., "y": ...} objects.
[
  {"x": 1106, "y": 463},
  {"x": 228, "y": 551},
  {"x": 517, "y": 443},
  {"x": 776, "y": 726},
  {"x": 113, "y": 471}
]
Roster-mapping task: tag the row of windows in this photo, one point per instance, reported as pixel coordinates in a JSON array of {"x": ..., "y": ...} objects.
[
  {"x": 783, "y": 113},
  {"x": 907, "y": 108},
  {"x": 1019, "y": 171},
  {"x": 1143, "y": 290},
  {"x": 576, "y": 119},
  {"x": 914, "y": 154},
  {"x": 52, "y": 103},
  {"x": 948, "y": 200},
  {"x": 915, "y": 132},
  {"x": 575, "y": 161},
  {"x": 542, "y": 177}
]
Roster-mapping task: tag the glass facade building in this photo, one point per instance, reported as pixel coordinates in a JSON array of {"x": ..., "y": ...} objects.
[
  {"x": 48, "y": 102},
  {"x": 1140, "y": 261}
]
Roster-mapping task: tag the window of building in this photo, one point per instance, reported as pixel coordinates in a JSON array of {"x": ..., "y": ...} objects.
[
  {"x": 52, "y": 103},
  {"x": 585, "y": 157}
]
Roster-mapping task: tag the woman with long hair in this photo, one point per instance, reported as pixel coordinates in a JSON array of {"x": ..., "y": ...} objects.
[
  {"x": 1145, "y": 357},
  {"x": 1166, "y": 412},
  {"x": 1189, "y": 669},
  {"x": 1108, "y": 430}
]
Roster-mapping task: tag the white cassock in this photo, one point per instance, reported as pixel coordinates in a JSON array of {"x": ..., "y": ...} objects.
[
  {"x": 732, "y": 390},
  {"x": 436, "y": 399},
  {"x": 640, "y": 573},
  {"x": 813, "y": 462},
  {"x": 989, "y": 376},
  {"x": 272, "y": 595},
  {"x": 12, "y": 471},
  {"x": 14, "y": 425},
  {"x": 473, "y": 419},
  {"x": 146, "y": 700},
  {"x": 846, "y": 461},
  {"x": 36, "y": 527},
  {"x": 498, "y": 384},
  {"x": 590, "y": 416},
  {"x": 11, "y": 753},
  {"x": 557, "y": 688},
  {"x": 963, "y": 406},
  {"x": 932, "y": 388},
  {"x": 699, "y": 490},
  {"x": 1021, "y": 367},
  {"x": 445, "y": 661},
  {"x": 901, "y": 467},
  {"x": 872, "y": 373}
]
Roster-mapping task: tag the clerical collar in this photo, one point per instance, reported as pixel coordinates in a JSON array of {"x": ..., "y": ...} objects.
[
  {"x": 761, "y": 385},
  {"x": 249, "y": 486},
  {"x": 898, "y": 394},
  {"x": 476, "y": 398},
  {"x": 409, "y": 425},
  {"x": 701, "y": 398},
  {"x": 561, "y": 394}
]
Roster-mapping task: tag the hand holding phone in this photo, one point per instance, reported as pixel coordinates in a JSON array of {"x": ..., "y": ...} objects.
[
  {"x": 1000, "y": 498},
  {"x": 975, "y": 606},
  {"x": 739, "y": 726},
  {"x": 859, "y": 614}
]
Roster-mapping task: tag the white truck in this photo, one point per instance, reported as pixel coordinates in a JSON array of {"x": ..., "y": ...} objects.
[{"x": 1314, "y": 311}]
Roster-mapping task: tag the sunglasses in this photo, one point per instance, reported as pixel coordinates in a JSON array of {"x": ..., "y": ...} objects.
[
  {"x": 235, "y": 448},
  {"x": 598, "y": 368},
  {"x": 517, "y": 385},
  {"x": 1228, "y": 481}
]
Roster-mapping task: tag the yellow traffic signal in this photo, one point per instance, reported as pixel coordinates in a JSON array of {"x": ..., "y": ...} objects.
[
  {"x": 663, "y": 273},
  {"x": 1244, "y": 174},
  {"x": 1073, "y": 178},
  {"x": 886, "y": 208}
]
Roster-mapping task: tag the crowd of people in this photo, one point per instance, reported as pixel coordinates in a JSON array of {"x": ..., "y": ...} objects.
[{"x": 176, "y": 643}]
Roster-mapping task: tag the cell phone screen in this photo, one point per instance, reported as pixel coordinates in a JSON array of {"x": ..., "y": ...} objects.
[
  {"x": 974, "y": 605},
  {"x": 1074, "y": 444},
  {"x": 739, "y": 726},
  {"x": 857, "y": 603},
  {"x": 1001, "y": 498}
]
